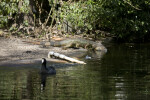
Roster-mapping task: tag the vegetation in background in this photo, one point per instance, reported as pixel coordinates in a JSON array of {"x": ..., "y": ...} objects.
[
  {"x": 8, "y": 10},
  {"x": 126, "y": 20}
]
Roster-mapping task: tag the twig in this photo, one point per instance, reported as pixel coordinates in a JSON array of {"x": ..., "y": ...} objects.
[{"x": 132, "y": 5}]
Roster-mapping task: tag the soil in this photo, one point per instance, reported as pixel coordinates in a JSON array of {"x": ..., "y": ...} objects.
[{"x": 20, "y": 50}]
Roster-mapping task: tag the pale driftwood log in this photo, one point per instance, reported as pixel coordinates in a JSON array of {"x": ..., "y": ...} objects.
[{"x": 61, "y": 56}]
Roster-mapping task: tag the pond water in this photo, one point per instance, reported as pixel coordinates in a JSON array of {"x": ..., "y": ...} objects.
[{"x": 122, "y": 73}]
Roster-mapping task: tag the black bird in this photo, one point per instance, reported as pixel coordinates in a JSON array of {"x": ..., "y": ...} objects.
[{"x": 47, "y": 70}]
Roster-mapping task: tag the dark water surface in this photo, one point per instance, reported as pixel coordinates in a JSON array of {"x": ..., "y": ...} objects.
[{"x": 122, "y": 73}]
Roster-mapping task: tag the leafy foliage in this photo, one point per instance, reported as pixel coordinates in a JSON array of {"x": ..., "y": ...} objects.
[
  {"x": 75, "y": 13},
  {"x": 8, "y": 9},
  {"x": 128, "y": 20}
]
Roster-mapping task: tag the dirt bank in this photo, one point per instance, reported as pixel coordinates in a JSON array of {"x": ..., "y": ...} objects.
[{"x": 17, "y": 50}]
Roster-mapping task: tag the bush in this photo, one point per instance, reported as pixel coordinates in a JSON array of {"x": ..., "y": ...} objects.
[
  {"x": 128, "y": 20},
  {"x": 8, "y": 10},
  {"x": 76, "y": 14}
]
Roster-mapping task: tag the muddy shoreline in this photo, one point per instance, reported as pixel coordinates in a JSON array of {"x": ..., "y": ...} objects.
[
  {"x": 20, "y": 51},
  {"x": 17, "y": 51}
]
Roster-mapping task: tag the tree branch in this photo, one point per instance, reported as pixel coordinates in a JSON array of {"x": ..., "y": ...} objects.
[{"x": 131, "y": 5}]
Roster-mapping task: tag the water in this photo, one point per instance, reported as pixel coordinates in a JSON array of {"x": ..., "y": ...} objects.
[{"x": 121, "y": 73}]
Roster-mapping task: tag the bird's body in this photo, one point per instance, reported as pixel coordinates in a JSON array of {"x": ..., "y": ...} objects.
[{"x": 47, "y": 70}]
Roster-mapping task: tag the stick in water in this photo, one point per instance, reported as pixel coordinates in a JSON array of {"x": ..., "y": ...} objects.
[{"x": 61, "y": 56}]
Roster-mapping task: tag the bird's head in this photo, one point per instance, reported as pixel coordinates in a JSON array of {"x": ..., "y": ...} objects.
[{"x": 44, "y": 61}]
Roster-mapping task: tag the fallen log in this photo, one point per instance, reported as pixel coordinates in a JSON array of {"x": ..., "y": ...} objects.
[{"x": 61, "y": 56}]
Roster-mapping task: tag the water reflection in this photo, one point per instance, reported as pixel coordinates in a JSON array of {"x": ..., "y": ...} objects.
[
  {"x": 125, "y": 68},
  {"x": 43, "y": 81},
  {"x": 121, "y": 73}
]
